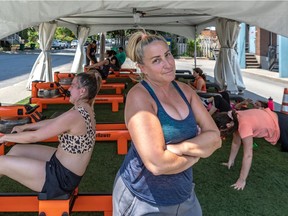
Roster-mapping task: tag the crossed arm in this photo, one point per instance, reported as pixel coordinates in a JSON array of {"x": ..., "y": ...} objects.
[{"x": 146, "y": 133}]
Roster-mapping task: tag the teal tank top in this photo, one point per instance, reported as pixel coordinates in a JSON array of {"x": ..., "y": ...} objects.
[{"x": 161, "y": 190}]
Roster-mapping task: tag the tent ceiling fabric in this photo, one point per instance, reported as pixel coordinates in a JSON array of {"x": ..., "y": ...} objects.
[{"x": 175, "y": 16}]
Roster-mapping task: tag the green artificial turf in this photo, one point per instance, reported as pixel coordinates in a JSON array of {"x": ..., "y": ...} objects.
[
  {"x": 266, "y": 189},
  {"x": 265, "y": 194}
]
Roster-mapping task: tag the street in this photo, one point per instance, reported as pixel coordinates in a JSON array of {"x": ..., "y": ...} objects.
[{"x": 16, "y": 67}]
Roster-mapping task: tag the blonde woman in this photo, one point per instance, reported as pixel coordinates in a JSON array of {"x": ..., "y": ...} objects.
[{"x": 162, "y": 116}]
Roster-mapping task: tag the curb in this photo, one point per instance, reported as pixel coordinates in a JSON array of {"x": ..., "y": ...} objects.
[{"x": 266, "y": 77}]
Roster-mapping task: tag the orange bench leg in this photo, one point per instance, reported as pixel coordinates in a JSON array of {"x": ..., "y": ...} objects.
[
  {"x": 115, "y": 106},
  {"x": 2, "y": 149},
  {"x": 41, "y": 106},
  {"x": 122, "y": 145},
  {"x": 107, "y": 213},
  {"x": 118, "y": 91},
  {"x": 54, "y": 207}
]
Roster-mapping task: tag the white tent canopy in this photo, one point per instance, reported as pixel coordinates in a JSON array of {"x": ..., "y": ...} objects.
[
  {"x": 186, "y": 18},
  {"x": 175, "y": 16}
]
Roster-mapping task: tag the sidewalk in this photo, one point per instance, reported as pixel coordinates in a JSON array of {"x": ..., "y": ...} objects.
[
  {"x": 13, "y": 94},
  {"x": 18, "y": 91}
]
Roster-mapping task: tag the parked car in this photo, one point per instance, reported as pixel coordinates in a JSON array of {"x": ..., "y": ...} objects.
[
  {"x": 67, "y": 44},
  {"x": 56, "y": 44},
  {"x": 62, "y": 45},
  {"x": 74, "y": 43}
]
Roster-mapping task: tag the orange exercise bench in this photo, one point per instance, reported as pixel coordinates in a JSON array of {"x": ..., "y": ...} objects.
[
  {"x": 115, "y": 100},
  {"x": 109, "y": 132},
  {"x": 104, "y": 132},
  {"x": 60, "y": 206},
  {"x": 119, "y": 87},
  {"x": 122, "y": 73},
  {"x": 21, "y": 111},
  {"x": 63, "y": 79}
]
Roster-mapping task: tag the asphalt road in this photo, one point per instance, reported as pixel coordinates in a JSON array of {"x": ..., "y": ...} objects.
[{"x": 16, "y": 66}]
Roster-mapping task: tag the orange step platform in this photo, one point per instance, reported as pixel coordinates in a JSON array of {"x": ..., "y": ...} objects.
[{"x": 104, "y": 132}]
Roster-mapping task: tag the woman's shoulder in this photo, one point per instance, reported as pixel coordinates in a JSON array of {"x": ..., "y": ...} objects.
[
  {"x": 181, "y": 84},
  {"x": 137, "y": 89},
  {"x": 140, "y": 94},
  {"x": 185, "y": 87},
  {"x": 139, "y": 99},
  {"x": 72, "y": 114},
  {"x": 68, "y": 120}
]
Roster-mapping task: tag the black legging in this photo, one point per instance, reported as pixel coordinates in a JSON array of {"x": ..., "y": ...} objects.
[
  {"x": 221, "y": 104},
  {"x": 283, "y": 125},
  {"x": 225, "y": 96}
]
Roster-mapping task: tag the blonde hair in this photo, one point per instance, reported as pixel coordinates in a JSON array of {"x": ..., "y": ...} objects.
[
  {"x": 137, "y": 42},
  {"x": 135, "y": 48}
]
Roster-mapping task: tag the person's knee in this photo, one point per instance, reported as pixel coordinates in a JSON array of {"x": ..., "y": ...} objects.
[
  {"x": 4, "y": 163},
  {"x": 14, "y": 151}
]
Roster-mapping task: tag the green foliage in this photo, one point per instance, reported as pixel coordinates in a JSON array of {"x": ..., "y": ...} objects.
[
  {"x": 191, "y": 47},
  {"x": 32, "y": 37},
  {"x": 174, "y": 49},
  {"x": 121, "y": 34},
  {"x": 117, "y": 33},
  {"x": 64, "y": 34}
]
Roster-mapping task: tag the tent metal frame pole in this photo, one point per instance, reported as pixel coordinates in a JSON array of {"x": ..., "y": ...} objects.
[{"x": 195, "y": 46}]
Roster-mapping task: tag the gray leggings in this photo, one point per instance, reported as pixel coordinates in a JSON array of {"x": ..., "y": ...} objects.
[{"x": 126, "y": 204}]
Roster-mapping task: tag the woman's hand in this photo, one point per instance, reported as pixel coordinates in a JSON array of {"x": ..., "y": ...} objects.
[
  {"x": 1, "y": 139},
  {"x": 228, "y": 164},
  {"x": 17, "y": 129},
  {"x": 240, "y": 184},
  {"x": 174, "y": 149}
]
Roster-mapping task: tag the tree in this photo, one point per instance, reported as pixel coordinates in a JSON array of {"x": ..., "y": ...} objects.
[
  {"x": 32, "y": 37},
  {"x": 64, "y": 34},
  {"x": 118, "y": 34},
  {"x": 191, "y": 47}
]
